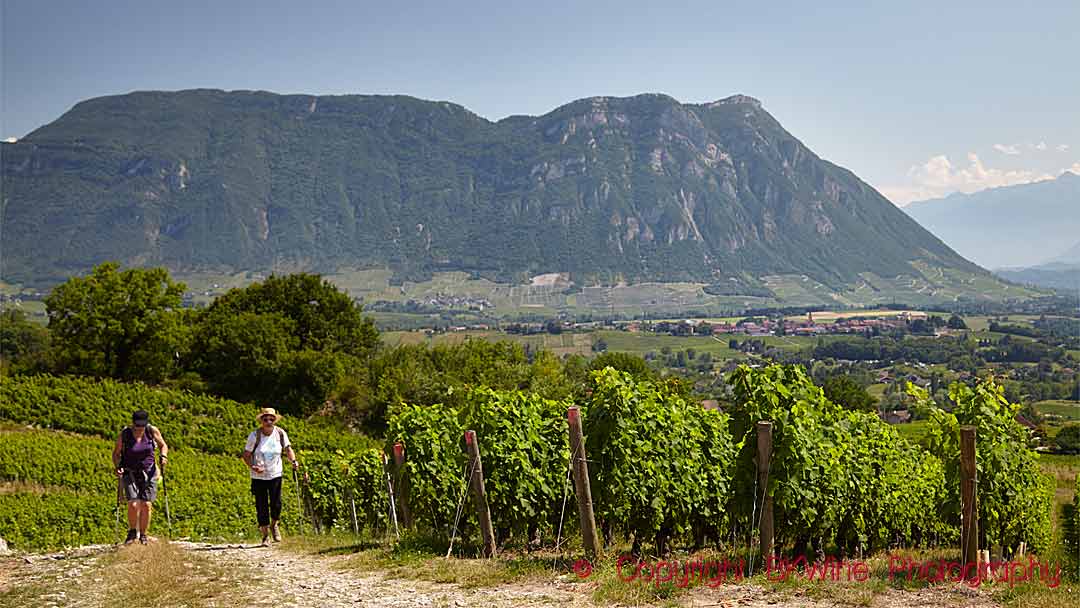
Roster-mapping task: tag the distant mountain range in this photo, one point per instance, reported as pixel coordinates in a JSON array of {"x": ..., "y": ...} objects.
[
  {"x": 1072, "y": 256},
  {"x": 1009, "y": 227},
  {"x": 607, "y": 189}
]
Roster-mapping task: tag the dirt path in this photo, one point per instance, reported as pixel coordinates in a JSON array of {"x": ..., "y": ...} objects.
[
  {"x": 251, "y": 576},
  {"x": 310, "y": 580},
  {"x": 48, "y": 581}
]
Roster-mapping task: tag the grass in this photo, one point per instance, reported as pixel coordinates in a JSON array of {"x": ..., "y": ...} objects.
[
  {"x": 609, "y": 583},
  {"x": 417, "y": 557},
  {"x": 1069, "y": 410},
  {"x": 641, "y": 343},
  {"x": 162, "y": 574},
  {"x": 913, "y": 431},
  {"x": 158, "y": 574},
  {"x": 562, "y": 344},
  {"x": 1035, "y": 595},
  {"x": 1063, "y": 468}
]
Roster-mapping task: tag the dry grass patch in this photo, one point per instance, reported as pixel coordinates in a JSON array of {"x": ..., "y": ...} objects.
[{"x": 162, "y": 574}]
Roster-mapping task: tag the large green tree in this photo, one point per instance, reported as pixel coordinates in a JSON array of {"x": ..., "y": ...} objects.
[
  {"x": 1068, "y": 439},
  {"x": 289, "y": 341},
  {"x": 624, "y": 362},
  {"x": 23, "y": 343},
  {"x": 322, "y": 317},
  {"x": 114, "y": 322},
  {"x": 849, "y": 394}
]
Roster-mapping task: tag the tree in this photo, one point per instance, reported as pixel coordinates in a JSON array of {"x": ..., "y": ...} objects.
[
  {"x": 23, "y": 343},
  {"x": 849, "y": 394},
  {"x": 624, "y": 362},
  {"x": 324, "y": 318},
  {"x": 1068, "y": 439},
  {"x": 921, "y": 327},
  {"x": 956, "y": 322},
  {"x": 242, "y": 356},
  {"x": 289, "y": 340},
  {"x": 104, "y": 323}
]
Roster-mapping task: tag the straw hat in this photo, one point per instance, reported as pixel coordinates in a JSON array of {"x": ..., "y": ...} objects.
[{"x": 268, "y": 411}]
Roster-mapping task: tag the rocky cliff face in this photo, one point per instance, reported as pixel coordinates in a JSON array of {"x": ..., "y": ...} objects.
[{"x": 607, "y": 189}]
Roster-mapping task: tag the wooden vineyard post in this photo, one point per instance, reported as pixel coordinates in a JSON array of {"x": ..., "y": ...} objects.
[
  {"x": 401, "y": 486},
  {"x": 764, "y": 455},
  {"x": 969, "y": 531},
  {"x": 590, "y": 540},
  {"x": 483, "y": 515}
]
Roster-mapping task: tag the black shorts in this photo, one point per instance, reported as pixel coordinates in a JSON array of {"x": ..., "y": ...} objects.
[{"x": 139, "y": 485}]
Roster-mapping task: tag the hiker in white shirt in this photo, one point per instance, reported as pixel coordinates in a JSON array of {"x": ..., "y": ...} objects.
[{"x": 262, "y": 453}]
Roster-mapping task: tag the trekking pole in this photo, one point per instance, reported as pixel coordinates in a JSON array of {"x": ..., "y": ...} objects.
[
  {"x": 116, "y": 510},
  {"x": 299, "y": 503},
  {"x": 165, "y": 491}
]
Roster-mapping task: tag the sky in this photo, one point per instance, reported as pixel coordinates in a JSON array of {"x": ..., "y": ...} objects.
[{"x": 920, "y": 99}]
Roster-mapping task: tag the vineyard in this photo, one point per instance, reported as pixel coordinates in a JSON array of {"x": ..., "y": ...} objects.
[
  {"x": 664, "y": 472},
  {"x": 101, "y": 407},
  {"x": 65, "y": 493},
  {"x": 62, "y": 488}
]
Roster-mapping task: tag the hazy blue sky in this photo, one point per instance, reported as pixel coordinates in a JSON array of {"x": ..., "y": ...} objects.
[{"x": 918, "y": 98}]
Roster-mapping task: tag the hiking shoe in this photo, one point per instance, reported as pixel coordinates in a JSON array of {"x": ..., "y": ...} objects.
[
  {"x": 132, "y": 535},
  {"x": 143, "y": 539},
  {"x": 266, "y": 540},
  {"x": 276, "y": 530}
]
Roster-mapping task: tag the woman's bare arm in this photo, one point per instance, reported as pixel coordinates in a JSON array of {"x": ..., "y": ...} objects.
[
  {"x": 161, "y": 442},
  {"x": 118, "y": 450}
]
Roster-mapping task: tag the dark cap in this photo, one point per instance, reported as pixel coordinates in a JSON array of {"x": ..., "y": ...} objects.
[{"x": 140, "y": 418}]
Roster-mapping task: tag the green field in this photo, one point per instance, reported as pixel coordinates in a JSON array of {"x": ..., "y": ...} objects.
[
  {"x": 34, "y": 309},
  {"x": 641, "y": 343},
  {"x": 550, "y": 294},
  {"x": 913, "y": 431},
  {"x": 561, "y": 344},
  {"x": 831, "y": 316},
  {"x": 1069, "y": 410},
  {"x": 981, "y": 323},
  {"x": 638, "y": 343}
]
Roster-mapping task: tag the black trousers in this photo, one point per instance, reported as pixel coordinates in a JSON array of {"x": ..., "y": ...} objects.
[{"x": 267, "y": 499}]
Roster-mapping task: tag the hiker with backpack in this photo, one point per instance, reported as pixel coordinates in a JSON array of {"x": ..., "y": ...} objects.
[
  {"x": 133, "y": 459},
  {"x": 262, "y": 453}
]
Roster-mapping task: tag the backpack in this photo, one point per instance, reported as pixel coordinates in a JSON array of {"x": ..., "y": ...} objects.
[
  {"x": 128, "y": 439},
  {"x": 258, "y": 438}
]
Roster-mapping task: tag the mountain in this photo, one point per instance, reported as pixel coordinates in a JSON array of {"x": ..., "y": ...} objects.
[
  {"x": 1012, "y": 226},
  {"x": 1055, "y": 275},
  {"x": 642, "y": 188},
  {"x": 1071, "y": 256},
  {"x": 1062, "y": 272}
]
